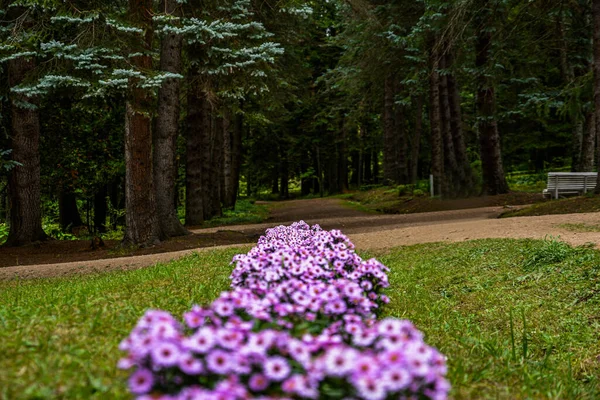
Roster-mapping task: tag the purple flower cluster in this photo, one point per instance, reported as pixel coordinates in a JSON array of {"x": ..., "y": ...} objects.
[
  {"x": 283, "y": 334},
  {"x": 311, "y": 255}
]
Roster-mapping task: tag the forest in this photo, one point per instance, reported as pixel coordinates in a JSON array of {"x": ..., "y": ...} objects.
[{"x": 156, "y": 116}]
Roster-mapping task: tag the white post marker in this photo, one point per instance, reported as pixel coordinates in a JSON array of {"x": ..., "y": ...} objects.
[{"x": 431, "y": 189}]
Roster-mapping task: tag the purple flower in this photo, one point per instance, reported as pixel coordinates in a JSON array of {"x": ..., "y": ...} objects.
[
  {"x": 218, "y": 361},
  {"x": 190, "y": 365},
  {"x": 141, "y": 381},
  {"x": 339, "y": 361},
  {"x": 223, "y": 308},
  {"x": 165, "y": 354},
  {"x": 370, "y": 388},
  {"x": 258, "y": 382},
  {"x": 200, "y": 342},
  {"x": 396, "y": 379},
  {"x": 276, "y": 368}
]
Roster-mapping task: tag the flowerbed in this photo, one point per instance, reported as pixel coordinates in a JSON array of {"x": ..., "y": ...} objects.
[{"x": 299, "y": 322}]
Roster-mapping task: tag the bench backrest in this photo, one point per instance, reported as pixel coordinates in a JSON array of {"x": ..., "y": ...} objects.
[{"x": 572, "y": 180}]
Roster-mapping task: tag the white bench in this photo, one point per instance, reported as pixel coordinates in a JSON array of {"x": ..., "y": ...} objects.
[{"x": 562, "y": 183}]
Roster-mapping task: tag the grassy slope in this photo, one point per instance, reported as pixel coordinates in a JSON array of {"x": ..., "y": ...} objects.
[
  {"x": 463, "y": 296},
  {"x": 59, "y": 338},
  {"x": 581, "y": 204},
  {"x": 388, "y": 201}
]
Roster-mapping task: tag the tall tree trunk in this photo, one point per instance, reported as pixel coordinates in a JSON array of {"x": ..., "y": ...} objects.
[
  {"x": 596, "y": 21},
  {"x": 236, "y": 158},
  {"x": 275, "y": 174},
  {"x": 320, "y": 174},
  {"x": 285, "y": 174},
  {"x": 494, "y": 181},
  {"x": 415, "y": 147},
  {"x": 577, "y": 133},
  {"x": 24, "y": 179},
  {"x": 207, "y": 160},
  {"x": 390, "y": 170},
  {"x": 167, "y": 128},
  {"x": 375, "y": 159},
  {"x": 142, "y": 226},
  {"x": 586, "y": 162},
  {"x": 568, "y": 74},
  {"x": 100, "y": 209},
  {"x": 435, "y": 121},
  {"x": 464, "y": 172},
  {"x": 355, "y": 166},
  {"x": 368, "y": 176},
  {"x": 450, "y": 186},
  {"x": 227, "y": 188},
  {"x": 401, "y": 142},
  {"x": 217, "y": 163},
  {"x": 342, "y": 159},
  {"x": 194, "y": 152},
  {"x": 68, "y": 212},
  {"x": 116, "y": 195}
]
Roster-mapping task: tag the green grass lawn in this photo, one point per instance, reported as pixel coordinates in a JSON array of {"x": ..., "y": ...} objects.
[
  {"x": 516, "y": 318},
  {"x": 246, "y": 212}
]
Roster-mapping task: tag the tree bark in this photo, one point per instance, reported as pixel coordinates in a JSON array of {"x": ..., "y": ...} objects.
[
  {"x": 375, "y": 159},
  {"x": 415, "y": 147},
  {"x": 217, "y": 163},
  {"x": 116, "y": 194},
  {"x": 464, "y": 172},
  {"x": 68, "y": 212},
  {"x": 568, "y": 74},
  {"x": 342, "y": 159},
  {"x": 576, "y": 145},
  {"x": 368, "y": 177},
  {"x": 24, "y": 179},
  {"x": 390, "y": 170},
  {"x": 208, "y": 168},
  {"x": 236, "y": 157},
  {"x": 596, "y": 35},
  {"x": 167, "y": 128},
  {"x": 194, "y": 150},
  {"x": 400, "y": 140},
  {"x": 451, "y": 184},
  {"x": 227, "y": 188},
  {"x": 437, "y": 142},
  {"x": 355, "y": 160},
  {"x": 586, "y": 162},
  {"x": 275, "y": 179},
  {"x": 284, "y": 192},
  {"x": 100, "y": 210},
  {"x": 142, "y": 225},
  {"x": 494, "y": 181}
]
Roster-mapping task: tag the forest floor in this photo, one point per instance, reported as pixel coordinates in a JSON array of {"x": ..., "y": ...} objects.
[{"x": 367, "y": 231}]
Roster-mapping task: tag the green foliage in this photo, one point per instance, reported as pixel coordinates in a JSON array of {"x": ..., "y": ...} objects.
[
  {"x": 4, "y": 228},
  {"x": 533, "y": 183},
  {"x": 55, "y": 232}
]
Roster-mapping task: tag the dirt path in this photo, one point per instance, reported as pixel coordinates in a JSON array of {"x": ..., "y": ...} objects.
[{"x": 367, "y": 231}]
